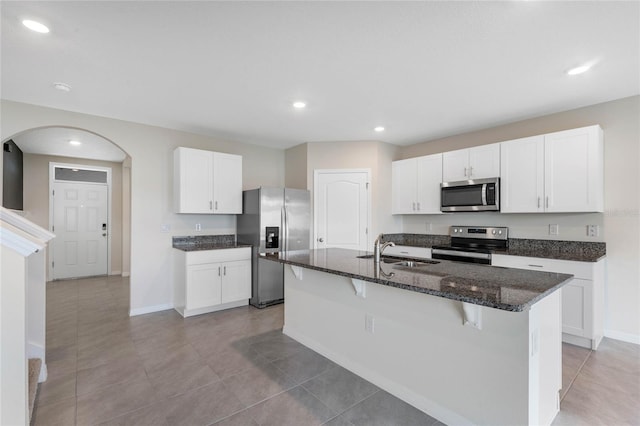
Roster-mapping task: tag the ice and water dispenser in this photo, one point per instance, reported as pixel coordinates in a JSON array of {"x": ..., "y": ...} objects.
[{"x": 272, "y": 237}]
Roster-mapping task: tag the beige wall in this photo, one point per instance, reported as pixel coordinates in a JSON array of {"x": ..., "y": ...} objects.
[
  {"x": 373, "y": 155},
  {"x": 36, "y": 197},
  {"x": 295, "y": 174},
  {"x": 151, "y": 151},
  {"x": 620, "y": 223}
]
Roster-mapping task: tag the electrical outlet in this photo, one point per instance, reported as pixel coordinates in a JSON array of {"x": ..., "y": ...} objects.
[
  {"x": 429, "y": 226},
  {"x": 554, "y": 229},
  {"x": 369, "y": 323},
  {"x": 165, "y": 228},
  {"x": 198, "y": 227},
  {"x": 593, "y": 230}
]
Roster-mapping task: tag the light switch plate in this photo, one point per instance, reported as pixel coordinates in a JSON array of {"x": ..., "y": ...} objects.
[
  {"x": 554, "y": 229},
  {"x": 164, "y": 228}
]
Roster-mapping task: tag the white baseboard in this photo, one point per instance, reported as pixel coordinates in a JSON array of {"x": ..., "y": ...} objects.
[
  {"x": 115, "y": 273},
  {"x": 35, "y": 350},
  {"x": 625, "y": 337},
  {"x": 150, "y": 309},
  {"x": 126, "y": 274}
]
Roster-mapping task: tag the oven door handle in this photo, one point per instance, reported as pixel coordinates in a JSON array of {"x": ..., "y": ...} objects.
[{"x": 461, "y": 253}]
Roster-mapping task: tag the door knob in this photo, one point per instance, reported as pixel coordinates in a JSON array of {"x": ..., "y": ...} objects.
[{"x": 321, "y": 240}]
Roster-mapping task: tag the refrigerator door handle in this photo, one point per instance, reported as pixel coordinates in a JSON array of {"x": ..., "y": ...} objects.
[
  {"x": 283, "y": 237},
  {"x": 286, "y": 229}
]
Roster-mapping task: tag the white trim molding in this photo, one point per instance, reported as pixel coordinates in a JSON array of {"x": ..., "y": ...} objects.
[
  {"x": 150, "y": 309},
  {"x": 622, "y": 336}
]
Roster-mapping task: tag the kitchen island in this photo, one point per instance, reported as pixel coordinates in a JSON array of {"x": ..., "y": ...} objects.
[{"x": 467, "y": 344}]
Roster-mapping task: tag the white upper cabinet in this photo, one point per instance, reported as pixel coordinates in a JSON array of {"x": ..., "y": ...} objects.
[
  {"x": 559, "y": 172},
  {"x": 404, "y": 177},
  {"x": 416, "y": 185},
  {"x": 574, "y": 170},
  {"x": 429, "y": 180},
  {"x": 227, "y": 183},
  {"x": 522, "y": 171},
  {"x": 207, "y": 182},
  {"x": 479, "y": 162}
]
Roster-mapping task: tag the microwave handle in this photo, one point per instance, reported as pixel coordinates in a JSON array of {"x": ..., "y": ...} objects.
[{"x": 484, "y": 194}]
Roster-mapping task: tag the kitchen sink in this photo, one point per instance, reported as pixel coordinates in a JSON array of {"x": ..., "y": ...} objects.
[
  {"x": 396, "y": 261},
  {"x": 415, "y": 263},
  {"x": 383, "y": 259}
]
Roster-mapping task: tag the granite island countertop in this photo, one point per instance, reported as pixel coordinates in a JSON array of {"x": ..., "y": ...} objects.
[{"x": 507, "y": 289}]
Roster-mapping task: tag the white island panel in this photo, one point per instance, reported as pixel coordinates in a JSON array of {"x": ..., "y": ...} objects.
[{"x": 508, "y": 372}]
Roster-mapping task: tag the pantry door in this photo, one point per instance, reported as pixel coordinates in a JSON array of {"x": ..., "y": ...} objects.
[
  {"x": 80, "y": 223},
  {"x": 342, "y": 206}
]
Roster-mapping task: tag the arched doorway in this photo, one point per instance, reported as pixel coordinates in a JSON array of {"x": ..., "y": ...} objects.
[{"x": 79, "y": 149}]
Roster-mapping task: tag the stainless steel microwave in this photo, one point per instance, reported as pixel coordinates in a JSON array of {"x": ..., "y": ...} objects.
[{"x": 470, "y": 195}]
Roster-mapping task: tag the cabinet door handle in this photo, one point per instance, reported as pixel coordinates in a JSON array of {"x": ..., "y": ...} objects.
[
  {"x": 218, "y": 271},
  {"x": 224, "y": 271},
  {"x": 470, "y": 171},
  {"x": 547, "y": 202},
  {"x": 216, "y": 204},
  {"x": 465, "y": 171},
  {"x": 210, "y": 205},
  {"x": 413, "y": 206},
  {"x": 538, "y": 202},
  {"x": 418, "y": 205}
]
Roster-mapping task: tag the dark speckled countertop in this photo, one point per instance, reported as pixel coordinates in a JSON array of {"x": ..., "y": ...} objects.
[
  {"x": 577, "y": 251},
  {"x": 206, "y": 242},
  {"x": 501, "y": 288}
]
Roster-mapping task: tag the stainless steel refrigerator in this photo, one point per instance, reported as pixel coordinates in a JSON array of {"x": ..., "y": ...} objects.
[{"x": 273, "y": 220}]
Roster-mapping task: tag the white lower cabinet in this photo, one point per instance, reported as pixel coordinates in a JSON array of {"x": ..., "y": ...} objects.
[
  {"x": 582, "y": 297},
  {"x": 211, "y": 280}
]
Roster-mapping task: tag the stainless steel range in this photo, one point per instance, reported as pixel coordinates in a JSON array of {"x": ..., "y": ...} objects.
[{"x": 472, "y": 244}]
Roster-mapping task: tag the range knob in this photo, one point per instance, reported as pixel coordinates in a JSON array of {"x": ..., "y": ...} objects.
[
  {"x": 493, "y": 232},
  {"x": 500, "y": 232}
]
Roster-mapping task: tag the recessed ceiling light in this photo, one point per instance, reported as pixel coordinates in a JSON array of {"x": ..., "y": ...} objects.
[
  {"x": 75, "y": 143},
  {"x": 579, "y": 70},
  {"x": 299, "y": 104},
  {"x": 62, "y": 87},
  {"x": 379, "y": 129},
  {"x": 35, "y": 26}
]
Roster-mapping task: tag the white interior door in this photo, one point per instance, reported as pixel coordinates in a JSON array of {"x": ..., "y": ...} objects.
[
  {"x": 341, "y": 209},
  {"x": 80, "y": 219}
]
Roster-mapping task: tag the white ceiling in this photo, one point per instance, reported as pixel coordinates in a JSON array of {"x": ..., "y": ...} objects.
[
  {"x": 55, "y": 141},
  {"x": 423, "y": 70}
]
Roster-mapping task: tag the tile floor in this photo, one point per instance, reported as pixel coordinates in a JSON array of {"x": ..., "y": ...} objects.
[{"x": 236, "y": 368}]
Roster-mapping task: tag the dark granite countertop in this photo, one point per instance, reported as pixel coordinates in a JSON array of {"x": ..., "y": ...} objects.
[
  {"x": 577, "y": 251},
  {"x": 206, "y": 242},
  {"x": 508, "y": 289}
]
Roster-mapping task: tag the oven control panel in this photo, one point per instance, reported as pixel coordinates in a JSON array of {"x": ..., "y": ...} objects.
[{"x": 482, "y": 232}]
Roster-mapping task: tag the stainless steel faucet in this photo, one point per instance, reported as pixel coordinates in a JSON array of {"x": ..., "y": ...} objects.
[{"x": 378, "y": 248}]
